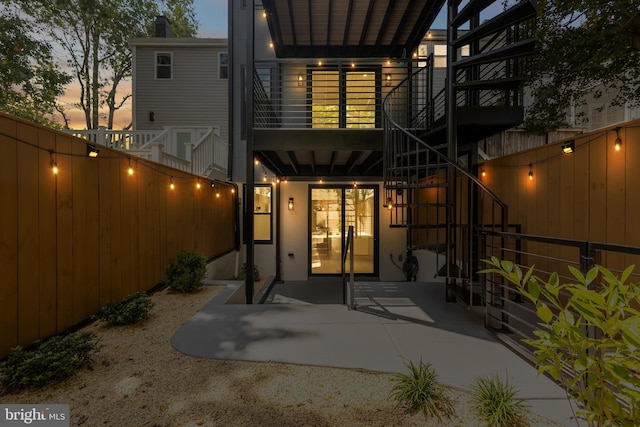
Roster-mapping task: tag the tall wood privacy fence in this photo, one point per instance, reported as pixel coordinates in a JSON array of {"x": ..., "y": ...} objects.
[
  {"x": 592, "y": 194},
  {"x": 92, "y": 233}
]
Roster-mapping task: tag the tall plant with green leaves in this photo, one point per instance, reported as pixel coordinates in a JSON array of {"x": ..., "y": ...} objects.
[{"x": 589, "y": 339}]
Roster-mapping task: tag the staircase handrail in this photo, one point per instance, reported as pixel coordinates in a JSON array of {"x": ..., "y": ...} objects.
[{"x": 441, "y": 156}]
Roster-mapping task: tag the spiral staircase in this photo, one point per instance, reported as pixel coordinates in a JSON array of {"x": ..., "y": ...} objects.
[{"x": 432, "y": 188}]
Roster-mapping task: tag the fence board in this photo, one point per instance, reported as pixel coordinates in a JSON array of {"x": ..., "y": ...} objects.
[
  {"x": 9, "y": 235},
  {"x": 64, "y": 231}
]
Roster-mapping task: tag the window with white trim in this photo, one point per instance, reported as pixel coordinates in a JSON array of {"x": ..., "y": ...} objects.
[{"x": 164, "y": 64}]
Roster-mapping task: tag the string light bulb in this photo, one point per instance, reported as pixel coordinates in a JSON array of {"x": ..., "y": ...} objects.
[
  {"x": 54, "y": 164},
  {"x": 198, "y": 184},
  {"x": 618, "y": 143},
  {"x": 530, "y": 172},
  {"x": 171, "y": 184},
  {"x": 130, "y": 170},
  {"x": 264, "y": 177},
  {"x": 484, "y": 173}
]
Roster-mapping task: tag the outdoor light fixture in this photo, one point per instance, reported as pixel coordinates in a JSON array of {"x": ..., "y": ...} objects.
[
  {"x": 300, "y": 79},
  {"x": 568, "y": 147},
  {"x": 387, "y": 80},
  {"x": 484, "y": 173},
  {"x": 152, "y": 116},
  {"x": 389, "y": 203},
  {"x": 618, "y": 143},
  {"x": 92, "y": 150},
  {"x": 264, "y": 177},
  {"x": 530, "y": 172},
  {"x": 213, "y": 184},
  {"x": 171, "y": 184},
  {"x": 130, "y": 170},
  {"x": 290, "y": 205},
  {"x": 54, "y": 164},
  {"x": 198, "y": 184}
]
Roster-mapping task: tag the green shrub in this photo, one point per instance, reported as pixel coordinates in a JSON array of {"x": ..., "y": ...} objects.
[
  {"x": 56, "y": 358},
  {"x": 604, "y": 370},
  {"x": 420, "y": 390},
  {"x": 496, "y": 402},
  {"x": 243, "y": 273},
  {"x": 186, "y": 274},
  {"x": 133, "y": 309}
]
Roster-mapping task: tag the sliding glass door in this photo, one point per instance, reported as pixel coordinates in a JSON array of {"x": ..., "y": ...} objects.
[{"x": 331, "y": 211}]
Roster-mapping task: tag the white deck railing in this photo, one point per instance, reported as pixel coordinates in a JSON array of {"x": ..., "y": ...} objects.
[{"x": 209, "y": 153}]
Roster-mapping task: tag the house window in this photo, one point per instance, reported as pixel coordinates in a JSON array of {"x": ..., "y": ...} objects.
[
  {"x": 164, "y": 63},
  {"x": 262, "y": 213},
  {"x": 223, "y": 65},
  {"x": 344, "y": 99},
  {"x": 440, "y": 55}
]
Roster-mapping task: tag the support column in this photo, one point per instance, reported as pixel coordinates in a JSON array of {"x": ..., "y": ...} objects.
[{"x": 248, "y": 202}]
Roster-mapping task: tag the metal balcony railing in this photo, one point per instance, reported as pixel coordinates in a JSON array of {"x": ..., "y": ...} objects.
[{"x": 326, "y": 94}]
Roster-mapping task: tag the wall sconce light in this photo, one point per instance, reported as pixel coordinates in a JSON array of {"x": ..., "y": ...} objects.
[
  {"x": 152, "y": 116},
  {"x": 387, "y": 80},
  {"x": 568, "y": 147},
  {"x": 618, "y": 143},
  {"x": 264, "y": 177},
  {"x": 389, "y": 204},
  {"x": 300, "y": 79},
  {"x": 530, "y": 172},
  {"x": 290, "y": 205},
  {"x": 92, "y": 151}
]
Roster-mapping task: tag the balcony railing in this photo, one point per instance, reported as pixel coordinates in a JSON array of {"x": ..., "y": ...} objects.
[
  {"x": 326, "y": 94},
  {"x": 208, "y": 155}
]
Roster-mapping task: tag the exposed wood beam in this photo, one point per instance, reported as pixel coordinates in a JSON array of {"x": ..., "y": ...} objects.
[
  {"x": 347, "y": 25},
  {"x": 332, "y": 164},
  {"x": 275, "y": 163},
  {"x": 293, "y": 25},
  {"x": 318, "y": 139},
  {"x": 329, "y": 24},
  {"x": 294, "y": 162},
  {"x": 403, "y": 22},
  {"x": 371, "y": 161},
  {"x": 385, "y": 21},
  {"x": 429, "y": 13},
  {"x": 273, "y": 21},
  {"x": 313, "y": 162},
  {"x": 310, "y": 25},
  {"x": 351, "y": 161}
]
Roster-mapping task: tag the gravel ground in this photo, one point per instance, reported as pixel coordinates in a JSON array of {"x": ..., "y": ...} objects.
[{"x": 138, "y": 379}]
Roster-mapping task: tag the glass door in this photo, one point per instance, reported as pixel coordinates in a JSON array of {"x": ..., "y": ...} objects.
[{"x": 332, "y": 211}]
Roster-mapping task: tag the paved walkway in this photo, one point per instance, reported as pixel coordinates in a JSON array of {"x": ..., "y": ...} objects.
[{"x": 393, "y": 323}]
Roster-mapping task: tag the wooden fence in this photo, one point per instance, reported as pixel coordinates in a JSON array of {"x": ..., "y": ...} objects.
[
  {"x": 94, "y": 232},
  {"x": 590, "y": 194}
]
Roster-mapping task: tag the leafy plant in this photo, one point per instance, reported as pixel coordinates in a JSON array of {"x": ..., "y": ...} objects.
[
  {"x": 591, "y": 330},
  {"x": 56, "y": 358},
  {"x": 496, "y": 402},
  {"x": 186, "y": 274},
  {"x": 243, "y": 273},
  {"x": 420, "y": 390},
  {"x": 133, "y": 309}
]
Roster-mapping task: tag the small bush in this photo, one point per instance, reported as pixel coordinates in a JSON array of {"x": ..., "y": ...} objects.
[
  {"x": 243, "y": 273},
  {"x": 134, "y": 309},
  {"x": 420, "y": 390},
  {"x": 496, "y": 402},
  {"x": 186, "y": 274},
  {"x": 56, "y": 358}
]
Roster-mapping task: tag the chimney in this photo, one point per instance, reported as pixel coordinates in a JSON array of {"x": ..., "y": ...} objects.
[{"x": 163, "y": 27}]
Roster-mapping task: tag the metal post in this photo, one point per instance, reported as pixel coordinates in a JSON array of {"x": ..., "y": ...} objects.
[
  {"x": 248, "y": 202},
  {"x": 351, "y": 272}
]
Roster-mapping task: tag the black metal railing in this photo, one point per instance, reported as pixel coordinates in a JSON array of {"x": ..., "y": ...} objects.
[{"x": 332, "y": 93}]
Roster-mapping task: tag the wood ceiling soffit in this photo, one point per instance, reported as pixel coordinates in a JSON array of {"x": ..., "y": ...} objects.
[{"x": 293, "y": 26}]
